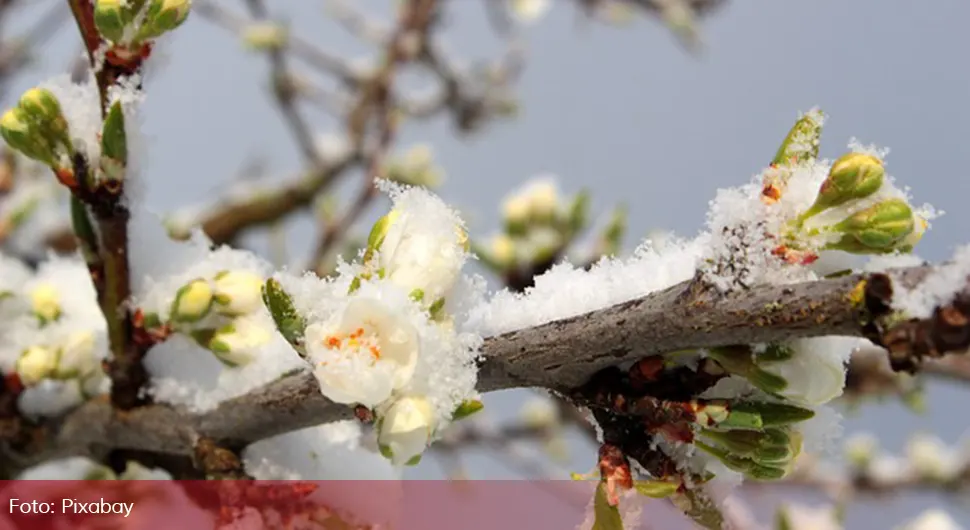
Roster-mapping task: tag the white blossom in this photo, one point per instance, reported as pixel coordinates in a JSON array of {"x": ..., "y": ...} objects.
[
  {"x": 423, "y": 244},
  {"x": 77, "y": 355},
  {"x": 364, "y": 353},
  {"x": 406, "y": 428},
  {"x": 816, "y": 372}
]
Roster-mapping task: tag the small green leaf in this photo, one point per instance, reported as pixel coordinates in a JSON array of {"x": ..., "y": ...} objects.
[
  {"x": 289, "y": 323},
  {"x": 802, "y": 142},
  {"x": 415, "y": 460},
  {"x": 775, "y": 414},
  {"x": 782, "y": 521},
  {"x": 466, "y": 409},
  {"x": 656, "y": 489},
  {"x": 607, "y": 517}
]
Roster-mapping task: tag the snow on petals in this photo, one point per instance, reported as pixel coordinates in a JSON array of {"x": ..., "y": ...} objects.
[{"x": 363, "y": 353}]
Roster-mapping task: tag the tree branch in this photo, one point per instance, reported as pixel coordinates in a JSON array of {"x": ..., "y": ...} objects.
[{"x": 559, "y": 355}]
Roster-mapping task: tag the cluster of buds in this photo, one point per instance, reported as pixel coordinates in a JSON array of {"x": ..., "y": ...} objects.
[
  {"x": 37, "y": 128},
  {"x": 753, "y": 438},
  {"x": 415, "y": 168},
  {"x": 538, "y": 225},
  {"x": 130, "y": 25},
  {"x": 218, "y": 314},
  {"x": 888, "y": 225}
]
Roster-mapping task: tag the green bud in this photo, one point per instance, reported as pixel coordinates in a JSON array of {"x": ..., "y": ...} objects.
[
  {"x": 743, "y": 465},
  {"x": 110, "y": 18},
  {"x": 19, "y": 134},
  {"x": 880, "y": 226},
  {"x": 192, "y": 301},
  {"x": 801, "y": 143},
  {"x": 719, "y": 413},
  {"x": 749, "y": 444},
  {"x": 163, "y": 16},
  {"x": 774, "y": 414},
  {"x": 853, "y": 176}
]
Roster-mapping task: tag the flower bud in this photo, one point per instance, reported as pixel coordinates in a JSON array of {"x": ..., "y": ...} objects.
[
  {"x": 45, "y": 303},
  {"x": 860, "y": 449},
  {"x": 527, "y": 11},
  {"x": 543, "y": 200},
  {"x": 35, "y": 364},
  {"x": 406, "y": 429},
  {"x": 20, "y": 135},
  {"x": 379, "y": 231},
  {"x": 502, "y": 251},
  {"x": 42, "y": 108},
  {"x": 163, "y": 16},
  {"x": 77, "y": 357},
  {"x": 515, "y": 214},
  {"x": 854, "y": 176},
  {"x": 237, "y": 292},
  {"x": 750, "y": 444},
  {"x": 264, "y": 36},
  {"x": 110, "y": 19},
  {"x": 880, "y": 226},
  {"x": 740, "y": 361},
  {"x": 743, "y": 465},
  {"x": 192, "y": 301},
  {"x": 237, "y": 343}
]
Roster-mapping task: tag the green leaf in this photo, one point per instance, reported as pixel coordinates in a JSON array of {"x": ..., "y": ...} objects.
[
  {"x": 114, "y": 142},
  {"x": 656, "y": 489},
  {"x": 466, "y": 409},
  {"x": 84, "y": 230},
  {"x": 775, "y": 414},
  {"x": 781, "y": 520},
  {"x": 289, "y": 323},
  {"x": 802, "y": 142},
  {"x": 607, "y": 517}
]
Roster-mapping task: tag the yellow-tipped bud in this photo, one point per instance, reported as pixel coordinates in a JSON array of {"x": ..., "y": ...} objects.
[
  {"x": 45, "y": 303},
  {"x": 36, "y": 364},
  {"x": 238, "y": 292},
  {"x": 853, "y": 176},
  {"x": 19, "y": 134},
  {"x": 881, "y": 226},
  {"x": 163, "y": 16},
  {"x": 192, "y": 302},
  {"x": 110, "y": 18}
]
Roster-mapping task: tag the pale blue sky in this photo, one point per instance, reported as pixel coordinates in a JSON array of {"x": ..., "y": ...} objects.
[{"x": 630, "y": 114}]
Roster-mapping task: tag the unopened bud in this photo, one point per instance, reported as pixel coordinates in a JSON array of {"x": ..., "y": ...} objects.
[
  {"x": 109, "y": 17},
  {"x": 853, "y": 176},
  {"x": 45, "y": 303},
  {"x": 192, "y": 301},
  {"x": 740, "y": 361},
  {"x": 35, "y": 364},
  {"x": 163, "y": 16},
  {"x": 237, "y": 343},
  {"x": 750, "y": 444},
  {"x": 20, "y": 135},
  {"x": 77, "y": 357},
  {"x": 880, "y": 226},
  {"x": 238, "y": 292},
  {"x": 502, "y": 250},
  {"x": 264, "y": 36}
]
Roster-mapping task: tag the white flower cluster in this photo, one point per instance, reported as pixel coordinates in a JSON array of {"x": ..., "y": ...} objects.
[
  {"x": 52, "y": 334},
  {"x": 388, "y": 332}
]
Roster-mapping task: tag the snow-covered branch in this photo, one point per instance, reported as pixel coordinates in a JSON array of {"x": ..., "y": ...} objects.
[{"x": 560, "y": 355}]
